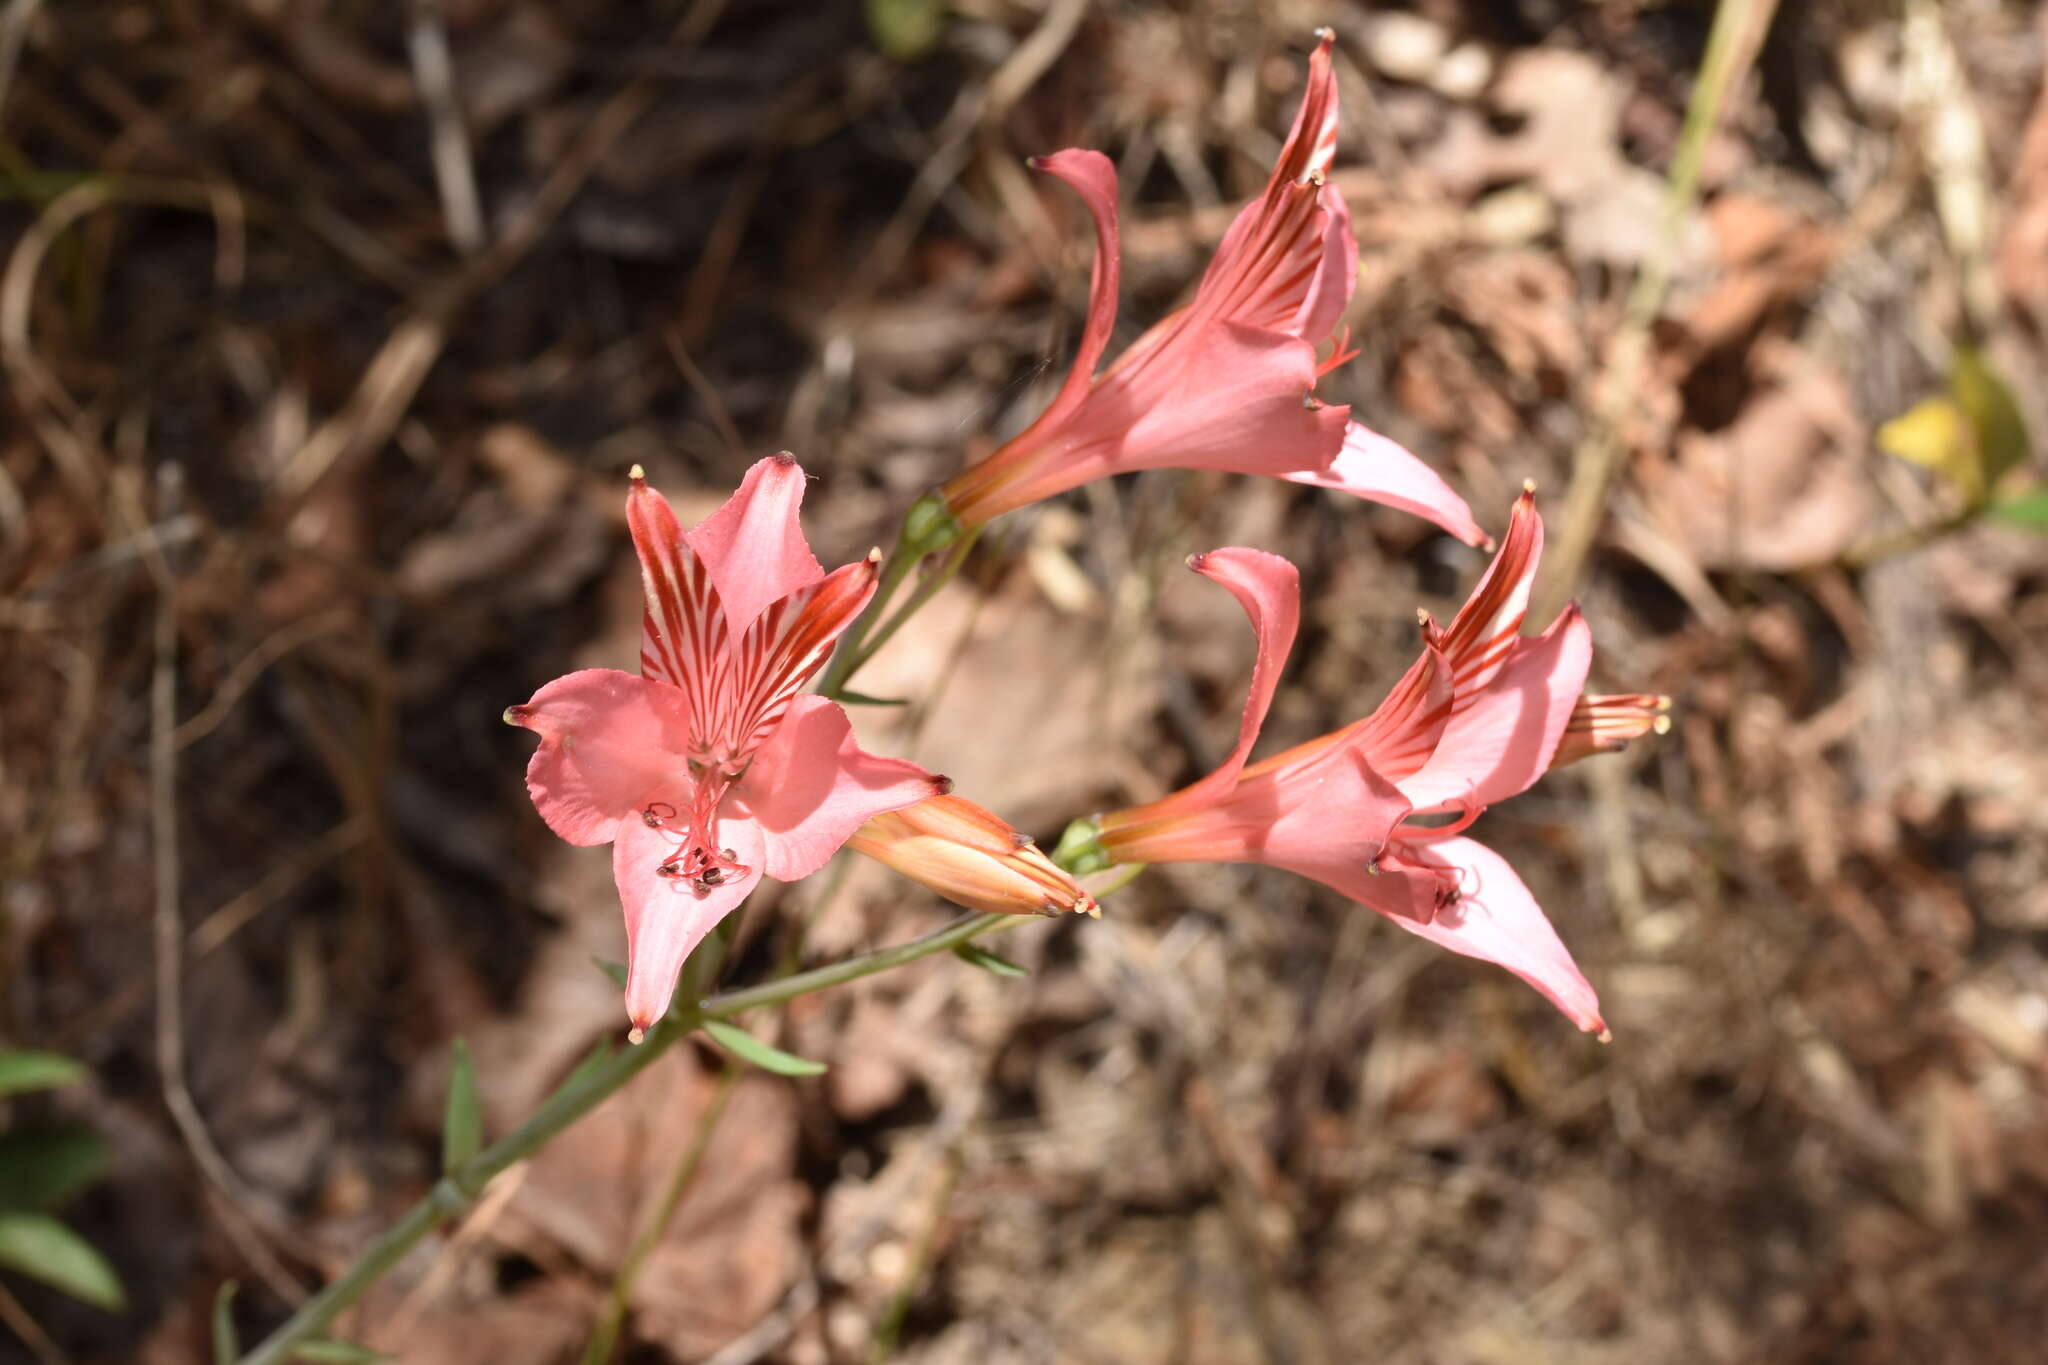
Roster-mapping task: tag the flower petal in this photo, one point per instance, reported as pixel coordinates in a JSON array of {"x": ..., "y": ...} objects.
[
  {"x": 788, "y": 642},
  {"x": 810, "y": 787},
  {"x": 1501, "y": 738},
  {"x": 682, "y": 632},
  {"x": 1403, "y": 731},
  {"x": 667, "y": 917},
  {"x": 1496, "y": 920},
  {"x": 1370, "y": 466},
  {"x": 1479, "y": 638},
  {"x": 754, "y": 547},
  {"x": 1230, "y": 397},
  {"x": 605, "y": 738},
  {"x": 1312, "y": 142},
  {"x": 1092, "y": 176},
  {"x": 1269, "y": 590}
]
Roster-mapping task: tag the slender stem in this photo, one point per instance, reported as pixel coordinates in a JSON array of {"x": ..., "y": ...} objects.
[
  {"x": 866, "y": 649},
  {"x": 605, "y": 1338},
  {"x": 847, "y": 657},
  {"x": 456, "y": 1191}
]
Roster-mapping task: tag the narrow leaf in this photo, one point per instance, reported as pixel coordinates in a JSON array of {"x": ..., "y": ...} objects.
[
  {"x": 227, "y": 1343},
  {"x": 988, "y": 961},
  {"x": 852, "y": 698},
  {"x": 752, "y": 1050},
  {"x": 615, "y": 970},
  {"x": 462, "y": 1127},
  {"x": 329, "y": 1352},
  {"x": 41, "y": 1168},
  {"x": 21, "y": 1071},
  {"x": 2028, "y": 509},
  {"x": 42, "y": 1248}
]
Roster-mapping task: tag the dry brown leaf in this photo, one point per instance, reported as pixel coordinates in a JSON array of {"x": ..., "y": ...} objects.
[{"x": 1782, "y": 487}]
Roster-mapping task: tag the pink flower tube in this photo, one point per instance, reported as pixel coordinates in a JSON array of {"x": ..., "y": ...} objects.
[{"x": 1227, "y": 382}]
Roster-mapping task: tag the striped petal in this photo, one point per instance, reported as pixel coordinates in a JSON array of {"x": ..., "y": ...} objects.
[
  {"x": 786, "y": 645},
  {"x": 1486, "y": 628},
  {"x": 683, "y": 632}
]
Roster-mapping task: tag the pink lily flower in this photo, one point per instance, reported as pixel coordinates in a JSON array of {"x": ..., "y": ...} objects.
[
  {"x": 1476, "y": 719},
  {"x": 1227, "y": 382},
  {"x": 706, "y": 771}
]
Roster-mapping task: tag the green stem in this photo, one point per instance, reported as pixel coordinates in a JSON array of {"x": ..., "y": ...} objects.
[
  {"x": 866, "y": 649},
  {"x": 455, "y": 1192}
]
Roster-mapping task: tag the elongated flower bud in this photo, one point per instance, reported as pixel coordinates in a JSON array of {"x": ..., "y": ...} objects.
[
  {"x": 971, "y": 856},
  {"x": 1601, "y": 724}
]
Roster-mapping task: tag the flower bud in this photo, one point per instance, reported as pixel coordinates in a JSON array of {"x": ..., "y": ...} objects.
[
  {"x": 971, "y": 856},
  {"x": 1600, "y": 724}
]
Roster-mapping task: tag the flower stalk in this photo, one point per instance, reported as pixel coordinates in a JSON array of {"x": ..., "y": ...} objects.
[{"x": 453, "y": 1194}]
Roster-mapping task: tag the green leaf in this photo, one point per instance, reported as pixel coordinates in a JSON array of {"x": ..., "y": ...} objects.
[
  {"x": 750, "y": 1049},
  {"x": 44, "y": 1249},
  {"x": 462, "y": 1125},
  {"x": 853, "y": 698},
  {"x": 2028, "y": 509},
  {"x": 615, "y": 970},
  {"x": 988, "y": 961},
  {"x": 41, "y": 1168},
  {"x": 20, "y": 1071},
  {"x": 328, "y": 1352},
  {"x": 227, "y": 1344}
]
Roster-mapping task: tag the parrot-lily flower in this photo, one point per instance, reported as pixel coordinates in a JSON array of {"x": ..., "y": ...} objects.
[
  {"x": 1477, "y": 719},
  {"x": 1227, "y": 382},
  {"x": 971, "y": 856},
  {"x": 706, "y": 771}
]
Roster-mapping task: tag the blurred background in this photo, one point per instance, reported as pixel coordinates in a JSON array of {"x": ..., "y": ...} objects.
[{"x": 329, "y": 331}]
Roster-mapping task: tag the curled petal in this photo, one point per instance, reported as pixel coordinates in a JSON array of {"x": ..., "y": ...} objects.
[
  {"x": 1269, "y": 590},
  {"x": 605, "y": 738},
  {"x": 1092, "y": 176},
  {"x": 1501, "y": 738},
  {"x": 753, "y": 547},
  {"x": 810, "y": 787},
  {"x": 1370, "y": 466},
  {"x": 1495, "y": 919},
  {"x": 667, "y": 916}
]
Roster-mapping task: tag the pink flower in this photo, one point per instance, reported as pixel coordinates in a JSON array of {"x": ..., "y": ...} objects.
[
  {"x": 707, "y": 771},
  {"x": 1227, "y": 382},
  {"x": 1476, "y": 719}
]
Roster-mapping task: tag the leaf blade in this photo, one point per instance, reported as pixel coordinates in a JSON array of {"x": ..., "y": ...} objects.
[
  {"x": 44, "y": 1249},
  {"x": 754, "y": 1052},
  {"x": 26, "y": 1070}
]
